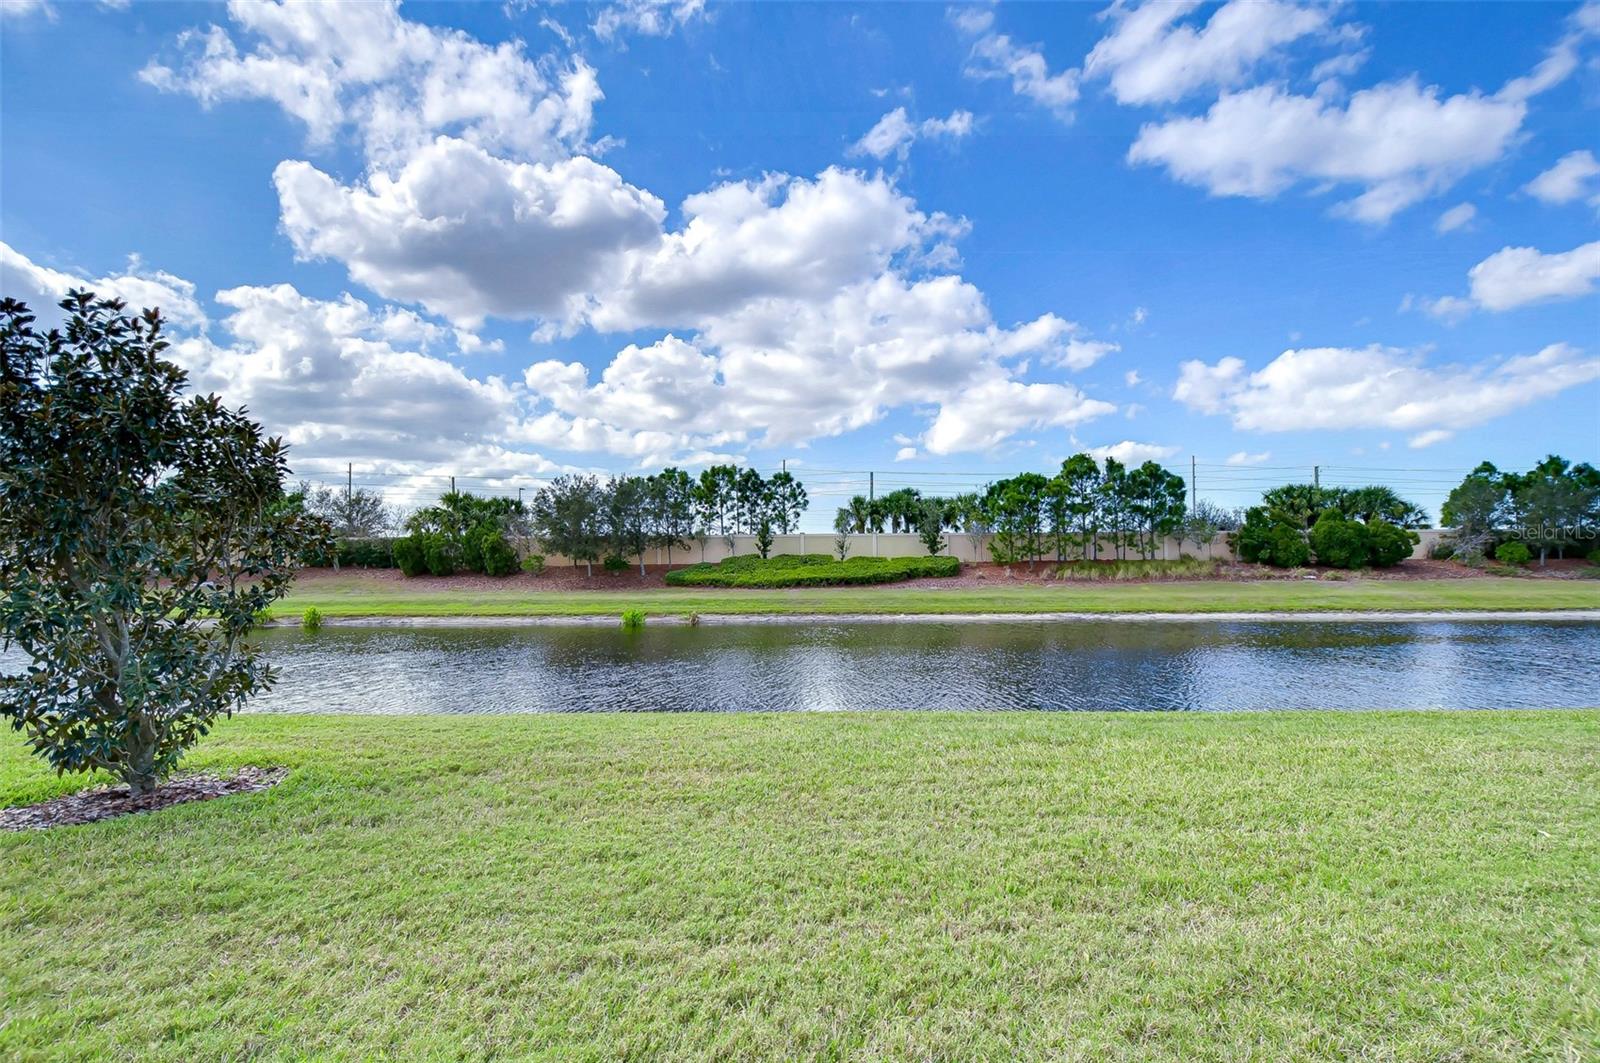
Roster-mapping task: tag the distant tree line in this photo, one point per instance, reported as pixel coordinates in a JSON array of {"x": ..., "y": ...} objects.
[
  {"x": 1030, "y": 516},
  {"x": 1086, "y": 510},
  {"x": 1553, "y": 507},
  {"x": 610, "y": 521}
]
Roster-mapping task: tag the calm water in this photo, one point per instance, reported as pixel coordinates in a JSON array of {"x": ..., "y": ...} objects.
[{"x": 1078, "y": 665}]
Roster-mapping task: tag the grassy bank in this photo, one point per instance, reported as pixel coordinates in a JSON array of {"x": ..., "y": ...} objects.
[
  {"x": 1308, "y": 886},
  {"x": 353, "y": 596}
]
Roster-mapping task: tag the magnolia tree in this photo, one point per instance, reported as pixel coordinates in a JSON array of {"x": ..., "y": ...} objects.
[{"x": 142, "y": 532}]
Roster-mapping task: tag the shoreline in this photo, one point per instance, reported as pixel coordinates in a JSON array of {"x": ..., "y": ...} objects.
[{"x": 735, "y": 619}]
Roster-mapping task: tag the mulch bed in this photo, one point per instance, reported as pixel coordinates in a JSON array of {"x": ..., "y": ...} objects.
[
  {"x": 108, "y": 802},
  {"x": 985, "y": 574}
]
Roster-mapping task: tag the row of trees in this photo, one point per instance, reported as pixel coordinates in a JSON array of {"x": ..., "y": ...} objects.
[
  {"x": 587, "y": 520},
  {"x": 1031, "y": 516},
  {"x": 1555, "y": 506},
  {"x": 591, "y": 520},
  {"x": 1084, "y": 507}
]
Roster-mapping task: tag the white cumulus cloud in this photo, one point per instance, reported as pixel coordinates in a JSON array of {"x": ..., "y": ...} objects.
[
  {"x": 1129, "y": 452},
  {"x": 895, "y": 132},
  {"x": 1517, "y": 276},
  {"x": 467, "y": 234},
  {"x": 1575, "y": 175},
  {"x": 648, "y": 18},
  {"x": 1151, "y": 56},
  {"x": 1398, "y": 142},
  {"x": 397, "y": 82},
  {"x": 995, "y": 56},
  {"x": 1376, "y": 387},
  {"x": 42, "y": 287}
]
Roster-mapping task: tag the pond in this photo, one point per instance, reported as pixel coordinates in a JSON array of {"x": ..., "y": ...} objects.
[{"x": 1136, "y": 665}]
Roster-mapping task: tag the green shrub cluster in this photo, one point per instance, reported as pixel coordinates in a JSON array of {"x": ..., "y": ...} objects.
[
  {"x": 1513, "y": 553},
  {"x": 1335, "y": 540},
  {"x": 485, "y": 549},
  {"x": 408, "y": 555},
  {"x": 1262, "y": 540},
  {"x": 365, "y": 553},
  {"x": 811, "y": 570}
]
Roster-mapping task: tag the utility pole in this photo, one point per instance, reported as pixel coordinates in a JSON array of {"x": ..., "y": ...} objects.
[
  {"x": 872, "y": 495},
  {"x": 1316, "y": 476},
  {"x": 519, "y": 496},
  {"x": 452, "y": 485},
  {"x": 1194, "y": 494},
  {"x": 785, "y": 464},
  {"x": 349, "y": 479}
]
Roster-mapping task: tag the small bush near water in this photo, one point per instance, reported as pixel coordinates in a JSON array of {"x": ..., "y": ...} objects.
[
  {"x": 311, "y": 619},
  {"x": 811, "y": 570},
  {"x": 1187, "y": 568},
  {"x": 632, "y": 619}
]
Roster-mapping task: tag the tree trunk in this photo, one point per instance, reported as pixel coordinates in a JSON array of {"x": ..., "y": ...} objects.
[{"x": 138, "y": 769}]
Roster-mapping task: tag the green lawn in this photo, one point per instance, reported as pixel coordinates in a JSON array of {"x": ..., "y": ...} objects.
[
  {"x": 354, "y": 596},
  {"x": 1388, "y": 886}
]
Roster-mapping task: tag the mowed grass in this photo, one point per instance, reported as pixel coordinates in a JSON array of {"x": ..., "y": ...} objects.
[
  {"x": 1420, "y": 886},
  {"x": 354, "y": 596}
]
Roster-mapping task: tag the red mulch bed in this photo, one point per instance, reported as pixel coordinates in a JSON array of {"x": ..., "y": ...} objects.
[
  {"x": 108, "y": 802},
  {"x": 985, "y": 574}
]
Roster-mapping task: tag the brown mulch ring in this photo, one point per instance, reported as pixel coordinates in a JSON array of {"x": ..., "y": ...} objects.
[{"x": 108, "y": 802}]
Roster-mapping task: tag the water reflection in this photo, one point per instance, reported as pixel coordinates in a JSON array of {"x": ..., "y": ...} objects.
[{"x": 1076, "y": 665}]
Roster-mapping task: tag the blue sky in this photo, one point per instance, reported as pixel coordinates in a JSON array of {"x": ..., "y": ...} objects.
[{"x": 942, "y": 243}]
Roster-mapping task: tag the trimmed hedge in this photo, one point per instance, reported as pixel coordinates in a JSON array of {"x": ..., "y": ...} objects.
[
  {"x": 811, "y": 570},
  {"x": 365, "y": 553}
]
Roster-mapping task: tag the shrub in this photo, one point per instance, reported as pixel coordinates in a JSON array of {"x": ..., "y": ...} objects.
[
  {"x": 1261, "y": 539},
  {"x": 365, "y": 553},
  {"x": 1443, "y": 549},
  {"x": 811, "y": 570},
  {"x": 485, "y": 549},
  {"x": 632, "y": 619},
  {"x": 614, "y": 563},
  {"x": 1513, "y": 553},
  {"x": 533, "y": 564},
  {"x": 440, "y": 554},
  {"x": 408, "y": 555},
  {"x": 311, "y": 619},
  {"x": 1388, "y": 544},
  {"x": 1340, "y": 543}
]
